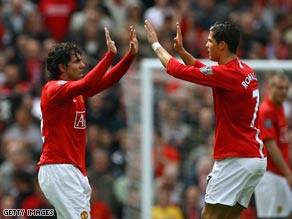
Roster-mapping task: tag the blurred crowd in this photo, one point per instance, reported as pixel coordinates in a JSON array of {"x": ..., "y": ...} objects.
[{"x": 184, "y": 117}]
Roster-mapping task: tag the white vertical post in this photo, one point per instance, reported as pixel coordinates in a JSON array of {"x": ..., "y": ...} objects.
[{"x": 146, "y": 140}]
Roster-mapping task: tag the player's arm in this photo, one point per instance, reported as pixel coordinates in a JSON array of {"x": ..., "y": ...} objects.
[
  {"x": 74, "y": 88},
  {"x": 96, "y": 74},
  {"x": 278, "y": 160},
  {"x": 161, "y": 53},
  {"x": 187, "y": 58},
  {"x": 119, "y": 70},
  {"x": 213, "y": 77}
]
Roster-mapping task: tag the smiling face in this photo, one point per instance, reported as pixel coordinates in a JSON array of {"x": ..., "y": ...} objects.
[{"x": 75, "y": 68}]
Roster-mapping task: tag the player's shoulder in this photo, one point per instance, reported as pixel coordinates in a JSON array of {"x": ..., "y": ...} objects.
[
  {"x": 55, "y": 84},
  {"x": 266, "y": 106}
]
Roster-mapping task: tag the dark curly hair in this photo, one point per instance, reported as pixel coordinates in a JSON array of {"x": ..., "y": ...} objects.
[
  {"x": 227, "y": 32},
  {"x": 60, "y": 54}
]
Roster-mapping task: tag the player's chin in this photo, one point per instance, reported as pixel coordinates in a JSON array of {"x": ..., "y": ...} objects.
[{"x": 211, "y": 58}]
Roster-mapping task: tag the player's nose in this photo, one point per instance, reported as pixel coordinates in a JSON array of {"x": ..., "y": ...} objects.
[{"x": 82, "y": 64}]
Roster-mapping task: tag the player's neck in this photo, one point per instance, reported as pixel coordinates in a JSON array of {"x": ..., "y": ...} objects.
[
  {"x": 275, "y": 102},
  {"x": 225, "y": 58}
]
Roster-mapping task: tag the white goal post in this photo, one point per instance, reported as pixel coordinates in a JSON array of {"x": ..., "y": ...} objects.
[{"x": 146, "y": 68}]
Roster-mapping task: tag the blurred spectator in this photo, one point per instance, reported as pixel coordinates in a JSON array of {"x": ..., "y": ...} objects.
[
  {"x": 24, "y": 129},
  {"x": 23, "y": 184},
  {"x": 163, "y": 154},
  {"x": 102, "y": 179},
  {"x": 57, "y": 16},
  {"x": 191, "y": 203},
  {"x": 256, "y": 51},
  {"x": 99, "y": 209},
  {"x": 104, "y": 109},
  {"x": 207, "y": 13},
  {"x": 3, "y": 62},
  {"x": 93, "y": 136},
  {"x": 14, "y": 18},
  {"x": 34, "y": 64},
  {"x": 119, "y": 157},
  {"x": 206, "y": 124},
  {"x": 35, "y": 28},
  {"x": 37, "y": 201},
  {"x": 134, "y": 17},
  {"x": 203, "y": 169},
  {"x": 118, "y": 11},
  {"x": 91, "y": 38},
  {"x": 12, "y": 91},
  {"x": 6, "y": 202},
  {"x": 253, "y": 29},
  {"x": 2, "y": 28},
  {"x": 173, "y": 129},
  {"x": 164, "y": 208},
  {"x": 170, "y": 181},
  {"x": 157, "y": 13},
  {"x": 93, "y": 11},
  {"x": 18, "y": 158},
  {"x": 276, "y": 47},
  {"x": 31, "y": 104},
  {"x": 13, "y": 85}
]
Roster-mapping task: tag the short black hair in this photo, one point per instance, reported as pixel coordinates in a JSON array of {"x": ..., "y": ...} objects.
[
  {"x": 227, "y": 32},
  {"x": 60, "y": 54}
]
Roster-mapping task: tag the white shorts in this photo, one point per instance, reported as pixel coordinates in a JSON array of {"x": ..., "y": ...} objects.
[
  {"x": 233, "y": 180},
  {"x": 66, "y": 189},
  {"x": 273, "y": 196}
]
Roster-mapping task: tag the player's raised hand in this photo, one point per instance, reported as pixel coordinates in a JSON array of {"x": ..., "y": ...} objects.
[
  {"x": 178, "y": 42},
  {"x": 133, "y": 41},
  {"x": 150, "y": 33},
  {"x": 109, "y": 42}
]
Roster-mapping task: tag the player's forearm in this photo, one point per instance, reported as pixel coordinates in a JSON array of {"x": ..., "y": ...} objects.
[
  {"x": 187, "y": 58},
  {"x": 114, "y": 74},
  {"x": 163, "y": 56},
  {"x": 277, "y": 158},
  {"x": 93, "y": 77},
  {"x": 96, "y": 74}
]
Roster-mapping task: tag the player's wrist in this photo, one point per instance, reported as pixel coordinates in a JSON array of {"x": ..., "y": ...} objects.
[{"x": 155, "y": 46}]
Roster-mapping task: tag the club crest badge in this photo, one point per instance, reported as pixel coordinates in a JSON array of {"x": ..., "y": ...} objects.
[
  {"x": 206, "y": 70},
  {"x": 268, "y": 123},
  {"x": 84, "y": 215}
]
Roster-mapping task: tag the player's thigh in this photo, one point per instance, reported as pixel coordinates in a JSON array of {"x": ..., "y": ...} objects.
[
  {"x": 66, "y": 189},
  {"x": 272, "y": 197},
  {"x": 233, "y": 180}
]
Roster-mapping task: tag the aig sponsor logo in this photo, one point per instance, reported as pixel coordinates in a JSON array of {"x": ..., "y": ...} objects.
[{"x": 80, "y": 121}]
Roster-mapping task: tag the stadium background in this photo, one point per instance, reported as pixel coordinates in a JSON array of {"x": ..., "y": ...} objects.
[{"x": 183, "y": 118}]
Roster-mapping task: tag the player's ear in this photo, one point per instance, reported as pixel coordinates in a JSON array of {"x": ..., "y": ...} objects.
[
  {"x": 62, "y": 68},
  {"x": 223, "y": 45}
]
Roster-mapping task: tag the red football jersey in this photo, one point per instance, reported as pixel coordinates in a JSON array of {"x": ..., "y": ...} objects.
[
  {"x": 273, "y": 125},
  {"x": 57, "y": 16},
  {"x": 236, "y": 102},
  {"x": 63, "y": 112}
]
